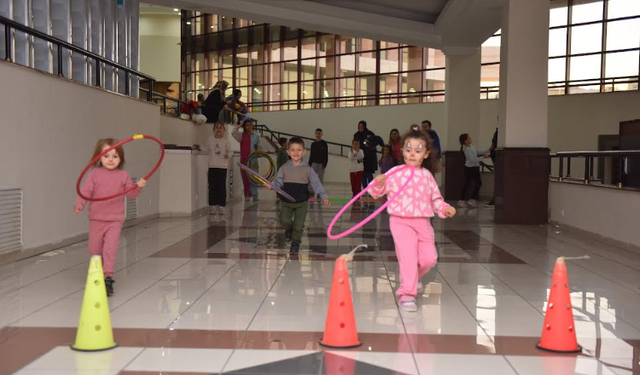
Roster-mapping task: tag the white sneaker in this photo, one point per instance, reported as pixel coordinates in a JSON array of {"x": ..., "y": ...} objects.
[
  {"x": 409, "y": 306},
  {"x": 220, "y": 210},
  {"x": 473, "y": 203},
  {"x": 212, "y": 210},
  {"x": 462, "y": 204}
]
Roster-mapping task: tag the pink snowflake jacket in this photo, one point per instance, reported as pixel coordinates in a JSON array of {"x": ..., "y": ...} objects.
[{"x": 421, "y": 197}]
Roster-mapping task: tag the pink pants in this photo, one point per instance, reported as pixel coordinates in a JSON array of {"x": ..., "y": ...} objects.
[
  {"x": 104, "y": 238},
  {"x": 416, "y": 250}
]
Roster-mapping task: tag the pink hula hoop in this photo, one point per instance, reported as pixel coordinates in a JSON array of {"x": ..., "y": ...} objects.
[{"x": 376, "y": 212}]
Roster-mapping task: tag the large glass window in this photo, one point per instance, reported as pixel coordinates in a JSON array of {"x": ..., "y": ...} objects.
[{"x": 594, "y": 46}]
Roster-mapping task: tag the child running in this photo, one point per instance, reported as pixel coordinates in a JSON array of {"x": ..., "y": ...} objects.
[
  {"x": 413, "y": 236},
  {"x": 106, "y": 217},
  {"x": 472, "y": 179},
  {"x": 294, "y": 178}
]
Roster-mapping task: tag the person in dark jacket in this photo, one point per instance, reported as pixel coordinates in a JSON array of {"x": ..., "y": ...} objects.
[
  {"x": 426, "y": 127},
  {"x": 369, "y": 143},
  {"x": 215, "y": 101},
  {"x": 319, "y": 157}
]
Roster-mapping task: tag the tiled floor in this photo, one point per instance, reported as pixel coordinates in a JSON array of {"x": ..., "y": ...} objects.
[{"x": 221, "y": 294}]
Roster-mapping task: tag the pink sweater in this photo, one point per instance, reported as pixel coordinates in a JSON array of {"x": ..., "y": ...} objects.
[
  {"x": 421, "y": 197},
  {"x": 102, "y": 182}
]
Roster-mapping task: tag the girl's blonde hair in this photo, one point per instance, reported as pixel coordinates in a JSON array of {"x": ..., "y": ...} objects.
[{"x": 108, "y": 142}]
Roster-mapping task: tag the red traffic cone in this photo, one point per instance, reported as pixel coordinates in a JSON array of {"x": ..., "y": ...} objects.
[
  {"x": 558, "y": 332},
  {"x": 340, "y": 328}
]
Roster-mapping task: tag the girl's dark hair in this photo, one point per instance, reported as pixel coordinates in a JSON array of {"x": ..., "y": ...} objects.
[
  {"x": 393, "y": 130},
  {"x": 236, "y": 92},
  {"x": 364, "y": 123},
  {"x": 463, "y": 139},
  {"x": 431, "y": 163},
  {"x": 244, "y": 124}
]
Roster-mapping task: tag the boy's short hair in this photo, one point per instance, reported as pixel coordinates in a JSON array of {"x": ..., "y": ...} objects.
[
  {"x": 319, "y": 130},
  {"x": 282, "y": 140},
  {"x": 296, "y": 140},
  {"x": 355, "y": 140}
]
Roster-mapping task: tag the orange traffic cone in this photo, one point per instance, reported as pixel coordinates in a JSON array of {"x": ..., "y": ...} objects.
[
  {"x": 558, "y": 332},
  {"x": 340, "y": 328}
]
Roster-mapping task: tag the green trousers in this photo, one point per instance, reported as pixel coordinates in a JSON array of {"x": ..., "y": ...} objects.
[{"x": 292, "y": 217}]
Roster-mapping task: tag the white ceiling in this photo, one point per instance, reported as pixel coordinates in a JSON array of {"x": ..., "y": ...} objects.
[{"x": 445, "y": 24}]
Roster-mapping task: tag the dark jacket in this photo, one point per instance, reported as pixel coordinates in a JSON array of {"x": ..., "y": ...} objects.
[
  {"x": 213, "y": 105},
  {"x": 436, "y": 143},
  {"x": 494, "y": 143},
  {"x": 295, "y": 180},
  {"x": 319, "y": 153},
  {"x": 370, "y": 147}
]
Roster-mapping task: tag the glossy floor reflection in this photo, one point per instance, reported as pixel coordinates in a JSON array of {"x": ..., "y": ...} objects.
[{"x": 221, "y": 294}]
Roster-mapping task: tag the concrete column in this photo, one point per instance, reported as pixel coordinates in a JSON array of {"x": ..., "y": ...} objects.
[
  {"x": 462, "y": 102},
  {"x": 522, "y": 162},
  {"x": 462, "y": 113},
  {"x": 523, "y": 73}
]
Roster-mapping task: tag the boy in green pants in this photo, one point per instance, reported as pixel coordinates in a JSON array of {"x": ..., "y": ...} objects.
[{"x": 294, "y": 178}]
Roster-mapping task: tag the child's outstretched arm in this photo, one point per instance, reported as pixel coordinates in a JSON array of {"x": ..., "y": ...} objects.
[
  {"x": 87, "y": 190},
  {"x": 279, "y": 182},
  {"x": 133, "y": 194},
  {"x": 236, "y": 133},
  {"x": 440, "y": 207},
  {"x": 378, "y": 186},
  {"x": 317, "y": 187}
]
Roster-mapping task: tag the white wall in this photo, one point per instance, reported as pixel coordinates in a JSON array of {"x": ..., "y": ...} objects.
[
  {"x": 574, "y": 121},
  {"x": 610, "y": 213},
  {"x": 340, "y": 124},
  {"x": 49, "y": 130},
  {"x": 160, "y": 46}
]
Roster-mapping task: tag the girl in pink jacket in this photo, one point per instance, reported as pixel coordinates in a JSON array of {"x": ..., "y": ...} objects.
[
  {"x": 106, "y": 217},
  {"x": 409, "y": 214}
]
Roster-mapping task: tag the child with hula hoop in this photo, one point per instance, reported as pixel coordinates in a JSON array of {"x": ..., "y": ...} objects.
[
  {"x": 107, "y": 216},
  {"x": 409, "y": 212}
]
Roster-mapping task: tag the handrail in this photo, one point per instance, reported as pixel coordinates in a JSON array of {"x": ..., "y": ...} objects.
[
  {"x": 272, "y": 133},
  {"x": 11, "y": 24},
  {"x": 589, "y": 162},
  {"x": 596, "y": 153}
]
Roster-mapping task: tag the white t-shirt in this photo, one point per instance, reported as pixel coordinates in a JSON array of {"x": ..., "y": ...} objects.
[
  {"x": 356, "y": 161},
  {"x": 218, "y": 148}
]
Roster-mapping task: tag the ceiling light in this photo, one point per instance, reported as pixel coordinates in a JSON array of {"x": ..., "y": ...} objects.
[
  {"x": 188, "y": 22},
  {"x": 212, "y": 27},
  {"x": 176, "y": 9}
]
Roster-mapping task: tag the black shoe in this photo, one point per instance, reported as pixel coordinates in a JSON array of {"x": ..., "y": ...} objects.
[
  {"x": 288, "y": 234},
  {"x": 295, "y": 247},
  {"x": 108, "y": 282}
]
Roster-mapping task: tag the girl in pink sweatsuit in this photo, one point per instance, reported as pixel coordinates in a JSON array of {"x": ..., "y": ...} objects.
[
  {"x": 106, "y": 217},
  {"x": 409, "y": 213}
]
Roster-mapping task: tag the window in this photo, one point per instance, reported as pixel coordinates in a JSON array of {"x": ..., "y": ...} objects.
[
  {"x": 587, "y": 53},
  {"x": 593, "y": 47}
]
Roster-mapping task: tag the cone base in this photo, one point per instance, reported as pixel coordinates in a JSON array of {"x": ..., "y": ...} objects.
[
  {"x": 341, "y": 346},
  {"x": 93, "y": 350},
  {"x": 578, "y": 350}
]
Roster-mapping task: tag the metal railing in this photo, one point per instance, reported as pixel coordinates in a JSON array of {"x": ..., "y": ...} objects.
[
  {"x": 564, "y": 171},
  {"x": 99, "y": 61},
  {"x": 275, "y": 135}
]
